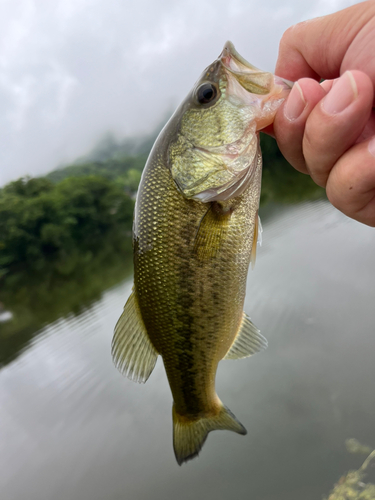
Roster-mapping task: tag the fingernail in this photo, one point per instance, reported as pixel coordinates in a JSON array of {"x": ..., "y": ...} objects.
[
  {"x": 343, "y": 92},
  {"x": 295, "y": 103},
  {"x": 371, "y": 146}
]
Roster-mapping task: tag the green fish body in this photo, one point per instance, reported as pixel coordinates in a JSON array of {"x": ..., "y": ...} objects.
[{"x": 194, "y": 235}]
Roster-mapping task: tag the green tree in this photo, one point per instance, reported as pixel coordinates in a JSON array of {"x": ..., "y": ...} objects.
[{"x": 44, "y": 224}]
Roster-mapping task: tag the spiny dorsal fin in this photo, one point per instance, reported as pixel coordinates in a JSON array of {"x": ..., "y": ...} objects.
[
  {"x": 247, "y": 342},
  {"x": 132, "y": 351}
]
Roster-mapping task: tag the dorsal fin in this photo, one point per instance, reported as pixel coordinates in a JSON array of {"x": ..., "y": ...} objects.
[
  {"x": 248, "y": 341},
  {"x": 132, "y": 350}
]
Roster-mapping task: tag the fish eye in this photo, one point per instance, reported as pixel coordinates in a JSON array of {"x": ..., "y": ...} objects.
[{"x": 206, "y": 93}]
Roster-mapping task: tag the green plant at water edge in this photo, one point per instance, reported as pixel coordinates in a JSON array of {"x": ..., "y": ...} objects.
[{"x": 352, "y": 487}]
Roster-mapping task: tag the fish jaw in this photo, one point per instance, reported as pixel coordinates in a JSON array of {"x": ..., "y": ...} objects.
[{"x": 253, "y": 87}]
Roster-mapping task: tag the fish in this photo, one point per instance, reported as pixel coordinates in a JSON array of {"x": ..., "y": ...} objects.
[{"x": 195, "y": 233}]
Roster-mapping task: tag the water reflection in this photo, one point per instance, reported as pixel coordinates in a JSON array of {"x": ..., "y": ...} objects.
[
  {"x": 72, "y": 427},
  {"x": 34, "y": 301}
]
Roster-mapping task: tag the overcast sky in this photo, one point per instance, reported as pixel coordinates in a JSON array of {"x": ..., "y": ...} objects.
[{"x": 72, "y": 70}]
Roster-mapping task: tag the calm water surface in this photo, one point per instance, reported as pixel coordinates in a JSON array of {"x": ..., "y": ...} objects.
[{"x": 72, "y": 428}]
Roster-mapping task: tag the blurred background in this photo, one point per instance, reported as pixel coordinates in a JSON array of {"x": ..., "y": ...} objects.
[{"x": 85, "y": 88}]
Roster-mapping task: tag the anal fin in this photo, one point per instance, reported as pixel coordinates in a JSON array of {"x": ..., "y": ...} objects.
[
  {"x": 248, "y": 341},
  {"x": 132, "y": 350}
]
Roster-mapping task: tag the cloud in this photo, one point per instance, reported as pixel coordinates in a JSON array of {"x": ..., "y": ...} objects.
[{"x": 71, "y": 70}]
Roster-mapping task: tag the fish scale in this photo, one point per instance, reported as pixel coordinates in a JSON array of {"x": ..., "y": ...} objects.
[{"x": 198, "y": 303}]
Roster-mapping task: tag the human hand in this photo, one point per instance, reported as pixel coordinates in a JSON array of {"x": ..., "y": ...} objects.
[{"x": 328, "y": 130}]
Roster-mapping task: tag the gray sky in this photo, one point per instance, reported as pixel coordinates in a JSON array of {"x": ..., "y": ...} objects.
[{"x": 72, "y": 70}]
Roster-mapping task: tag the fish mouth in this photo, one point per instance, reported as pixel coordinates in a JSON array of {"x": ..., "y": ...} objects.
[{"x": 248, "y": 76}]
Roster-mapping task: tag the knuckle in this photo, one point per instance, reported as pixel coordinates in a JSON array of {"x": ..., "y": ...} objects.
[
  {"x": 291, "y": 34},
  {"x": 287, "y": 36},
  {"x": 296, "y": 159},
  {"x": 341, "y": 187},
  {"x": 318, "y": 155},
  {"x": 316, "y": 139},
  {"x": 334, "y": 196},
  {"x": 290, "y": 146},
  {"x": 308, "y": 140}
]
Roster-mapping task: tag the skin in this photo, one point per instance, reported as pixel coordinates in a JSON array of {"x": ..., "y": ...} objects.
[{"x": 327, "y": 130}]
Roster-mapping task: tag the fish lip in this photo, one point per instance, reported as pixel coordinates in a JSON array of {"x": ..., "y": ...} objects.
[{"x": 229, "y": 55}]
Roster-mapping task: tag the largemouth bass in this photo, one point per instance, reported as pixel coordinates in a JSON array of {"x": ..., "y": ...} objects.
[{"x": 194, "y": 235}]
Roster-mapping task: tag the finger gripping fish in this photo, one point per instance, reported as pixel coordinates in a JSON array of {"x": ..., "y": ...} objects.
[{"x": 194, "y": 235}]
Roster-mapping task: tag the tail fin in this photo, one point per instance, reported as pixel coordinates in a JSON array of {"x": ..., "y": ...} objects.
[{"x": 190, "y": 435}]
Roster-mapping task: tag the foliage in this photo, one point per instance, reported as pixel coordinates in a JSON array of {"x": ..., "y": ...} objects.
[
  {"x": 130, "y": 180},
  {"x": 61, "y": 245},
  {"x": 352, "y": 487},
  {"x": 110, "y": 168},
  {"x": 280, "y": 182},
  {"x": 45, "y": 225}
]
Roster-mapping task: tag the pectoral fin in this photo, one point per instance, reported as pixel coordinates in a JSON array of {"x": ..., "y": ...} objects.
[
  {"x": 257, "y": 238},
  {"x": 132, "y": 351},
  {"x": 212, "y": 231},
  {"x": 247, "y": 342}
]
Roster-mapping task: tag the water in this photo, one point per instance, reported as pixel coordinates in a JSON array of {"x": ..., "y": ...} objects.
[{"x": 73, "y": 428}]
